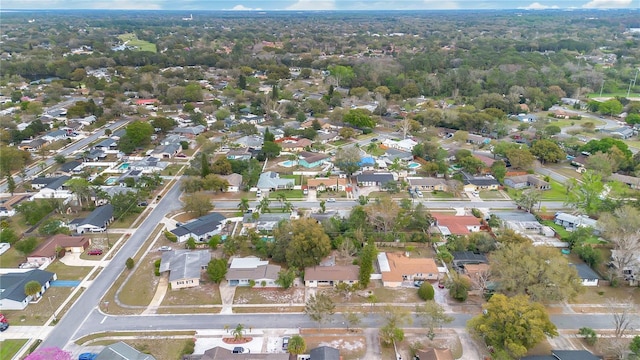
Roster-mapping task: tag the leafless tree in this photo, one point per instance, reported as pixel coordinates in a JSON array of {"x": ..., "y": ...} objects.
[
  {"x": 623, "y": 315},
  {"x": 405, "y": 126},
  {"x": 622, "y": 229}
]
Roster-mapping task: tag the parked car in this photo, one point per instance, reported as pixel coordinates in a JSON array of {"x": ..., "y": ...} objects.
[
  {"x": 418, "y": 283},
  {"x": 240, "y": 350},
  {"x": 285, "y": 343},
  {"x": 165, "y": 248},
  {"x": 419, "y": 193},
  {"x": 4, "y": 326},
  {"x": 331, "y": 200},
  {"x": 87, "y": 356},
  {"x": 3, "y": 319},
  {"x": 374, "y": 139},
  {"x": 94, "y": 252},
  {"x": 441, "y": 285}
]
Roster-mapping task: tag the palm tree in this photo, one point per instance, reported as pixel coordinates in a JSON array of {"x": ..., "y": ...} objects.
[
  {"x": 243, "y": 205},
  {"x": 32, "y": 288},
  {"x": 263, "y": 206},
  {"x": 282, "y": 197},
  {"x": 297, "y": 345},
  {"x": 288, "y": 207},
  {"x": 238, "y": 332}
]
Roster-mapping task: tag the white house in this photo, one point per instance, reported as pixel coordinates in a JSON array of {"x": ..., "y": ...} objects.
[
  {"x": 403, "y": 145},
  {"x": 587, "y": 275},
  {"x": 12, "y": 282},
  {"x": 244, "y": 271},
  {"x": 201, "y": 229}
]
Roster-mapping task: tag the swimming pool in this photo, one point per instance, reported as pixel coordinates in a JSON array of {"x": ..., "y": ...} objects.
[
  {"x": 110, "y": 180},
  {"x": 413, "y": 165},
  {"x": 289, "y": 163},
  {"x": 124, "y": 166}
]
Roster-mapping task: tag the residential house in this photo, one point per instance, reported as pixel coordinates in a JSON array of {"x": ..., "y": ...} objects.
[
  {"x": 580, "y": 162},
  {"x": 51, "y": 187},
  {"x": 290, "y": 144},
  {"x": 96, "y": 221},
  {"x": 57, "y": 245},
  {"x": 250, "y": 141},
  {"x": 434, "y": 354},
  {"x": 623, "y": 132},
  {"x": 190, "y": 131},
  {"x": 184, "y": 267},
  {"x": 564, "y": 355},
  {"x": 428, "y": 184},
  {"x": 94, "y": 155},
  {"x": 55, "y": 135},
  {"x": 405, "y": 145},
  {"x": 463, "y": 258},
  {"x": 311, "y": 160},
  {"x": 325, "y": 136},
  {"x": 587, "y": 275},
  {"x": 374, "y": 179},
  {"x": 106, "y": 144},
  {"x": 525, "y": 181},
  {"x": 148, "y": 165},
  {"x": 631, "y": 272},
  {"x": 265, "y": 222},
  {"x": 316, "y": 276},
  {"x": 572, "y": 222},
  {"x": 324, "y": 124},
  {"x": 392, "y": 154},
  {"x": 324, "y": 353},
  {"x": 398, "y": 269},
  {"x": 32, "y": 145},
  {"x": 234, "y": 181},
  {"x": 122, "y": 351},
  {"x": 456, "y": 225},
  {"x": 478, "y": 274},
  {"x": 487, "y": 161},
  {"x": 248, "y": 270},
  {"x": 476, "y": 183},
  {"x": 631, "y": 181},
  {"x": 271, "y": 181},
  {"x": 69, "y": 168},
  {"x": 333, "y": 183},
  {"x": 87, "y": 120},
  {"x": 201, "y": 229},
  {"x": 12, "y": 296},
  {"x": 147, "y": 101},
  {"x": 166, "y": 151},
  {"x": 7, "y": 205},
  {"x": 477, "y": 139},
  {"x": 239, "y": 154}
]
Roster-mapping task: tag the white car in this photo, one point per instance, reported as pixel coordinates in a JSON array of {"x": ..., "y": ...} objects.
[
  {"x": 419, "y": 193},
  {"x": 331, "y": 200},
  {"x": 165, "y": 248}
]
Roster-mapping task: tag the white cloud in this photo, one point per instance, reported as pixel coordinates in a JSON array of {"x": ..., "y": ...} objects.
[
  {"x": 243, "y": 8},
  {"x": 313, "y": 5},
  {"x": 538, "y": 6},
  {"x": 127, "y": 5},
  {"x": 607, "y": 4},
  {"x": 440, "y": 5}
]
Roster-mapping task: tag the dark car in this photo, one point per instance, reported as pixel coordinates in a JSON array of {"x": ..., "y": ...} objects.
[
  {"x": 285, "y": 343},
  {"x": 95, "y": 252},
  {"x": 441, "y": 285},
  {"x": 240, "y": 350},
  {"x": 4, "y": 326}
]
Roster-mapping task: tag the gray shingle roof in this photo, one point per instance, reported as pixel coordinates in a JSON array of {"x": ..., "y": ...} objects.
[
  {"x": 324, "y": 353},
  {"x": 184, "y": 264},
  {"x": 585, "y": 272},
  {"x": 381, "y": 178},
  {"x": 12, "y": 284},
  {"x": 200, "y": 226},
  {"x": 122, "y": 351},
  {"x": 100, "y": 216}
]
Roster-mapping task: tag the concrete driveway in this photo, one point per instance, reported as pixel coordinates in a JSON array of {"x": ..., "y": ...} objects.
[{"x": 73, "y": 259}]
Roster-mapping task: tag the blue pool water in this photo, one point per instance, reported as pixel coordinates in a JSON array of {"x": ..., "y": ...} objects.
[
  {"x": 124, "y": 166},
  {"x": 110, "y": 180},
  {"x": 288, "y": 163},
  {"x": 413, "y": 165},
  {"x": 65, "y": 283}
]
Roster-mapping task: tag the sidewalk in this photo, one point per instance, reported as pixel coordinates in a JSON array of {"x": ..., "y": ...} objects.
[{"x": 26, "y": 332}]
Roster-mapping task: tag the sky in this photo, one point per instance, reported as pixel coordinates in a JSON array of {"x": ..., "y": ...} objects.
[{"x": 297, "y": 5}]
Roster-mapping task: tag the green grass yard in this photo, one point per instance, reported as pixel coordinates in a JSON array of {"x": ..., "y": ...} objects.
[
  {"x": 557, "y": 192},
  {"x": 132, "y": 40},
  {"x": 9, "y": 347},
  {"x": 290, "y": 194}
]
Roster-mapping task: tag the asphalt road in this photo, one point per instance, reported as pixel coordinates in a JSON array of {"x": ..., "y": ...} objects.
[
  {"x": 75, "y": 146},
  {"x": 81, "y": 310}
]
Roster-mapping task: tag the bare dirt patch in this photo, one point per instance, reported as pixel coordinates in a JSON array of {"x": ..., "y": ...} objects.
[
  {"x": 238, "y": 341},
  {"x": 205, "y": 294},
  {"x": 351, "y": 345},
  {"x": 417, "y": 339},
  {"x": 247, "y": 295}
]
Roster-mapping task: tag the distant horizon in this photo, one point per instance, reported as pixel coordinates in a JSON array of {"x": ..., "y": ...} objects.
[{"x": 314, "y": 5}]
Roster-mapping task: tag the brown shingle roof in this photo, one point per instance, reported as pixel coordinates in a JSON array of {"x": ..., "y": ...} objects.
[
  {"x": 457, "y": 225},
  {"x": 48, "y": 248},
  {"x": 401, "y": 265}
]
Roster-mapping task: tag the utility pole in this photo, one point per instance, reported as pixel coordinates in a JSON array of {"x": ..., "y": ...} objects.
[
  {"x": 601, "y": 87},
  {"x": 632, "y": 82}
]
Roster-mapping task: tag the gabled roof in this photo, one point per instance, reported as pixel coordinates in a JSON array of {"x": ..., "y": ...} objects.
[
  {"x": 324, "y": 353},
  {"x": 219, "y": 353},
  {"x": 312, "y": 157},
  {"x": 51, "y": 182},
  {"x": 69, "y": 166},
  {"x": 332, "y": 273},
  {"x": 585, "y": 272},
  {"x": 122, "y": 351},
  {"x": 184, "y": 264},
  {"x": 268, "y": 271},
  {"x": 201, "y": 225},
  {"x": 400, "y": 265},
  {"x": 426, "y": 181},
  {"x": 12, "y": 284},
  {"x": 381, "y": 178},
  {"x": 100, "y": 216},
  {"x": 48, "y": 248},
  {"x": 457, "y": 225},
  {"x": 468, "y": 257}
]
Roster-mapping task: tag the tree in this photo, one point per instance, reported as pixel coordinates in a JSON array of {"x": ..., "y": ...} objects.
[
  {"x": 541, "y": 272},
  {"x": 547, "y": 151},
  {"x": 634, "y": 346},
  {"x": 129, "y": 263},
  {"x": 244, "y": 205},
  {"x": 204, "y": 166},
  {"x": 512, "y": 326},
  {"x": 551, "y": 130},
  {"x": 426, "y": 291},
  {"x": 271, "y": 149},
  {"x": 605, "y": 144},
  {"x": 11, "y": 185},
  {"x": 459, "y": 286},
  {"x": 352, "y": 319},
  {"x": 214, "y": 242},
  {"x": 383, "y": 213},
  {"x": 8, "y": 235},
  {"x": 52, "y": 353},
  {"x": 394, "y": 318},
  {"x": 499, "y": 170},
  {"x": 138, "y": 134},
  {"x": 623, "y": 316},
  {"x": 586, "y": 196},
  {"x": 197, "y": 204},
  {"x": 213, "y": 182},
  {"x": 471, "y": 164},
  {"x": 622, "y": 229},
  {"x": 32, "y": 288},
  {"x": 297, "y": 345},
  {"x": 367, "y": 258},
  {"x": 80, "y": 187},
  {"x": 190, "y": 243},
  {"x": 238, "y": 332},
  {"x": 589, "y": 335},
  {"x": 347, "y": 133},
  {"x": 431, "y": 315},
  {"x": 341, "y": 73},
  {"x": 528, "y": 199},
  {"x": 348, "y": 159},
  {"x": 309, "y": 244},
  {"x": 600, "y": 163},
  {"x": 610, "y": 107},
  {"x": 286, "y": 278},
  {"x": 26, "y": 246},
  {"x": 520, "y": 158},
  {"x": 359, "y": 118},
  {"x": 319, "y": 308},
  {"x": 125, "y": 204},
  {"x": 217, "y": 269}
]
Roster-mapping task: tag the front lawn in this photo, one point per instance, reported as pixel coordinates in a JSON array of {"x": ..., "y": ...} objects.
[
  {"x": 290, "y": 194},
  {"x": 9, "y": 347},
  {"x": 439, "y": 195},
  {"x": 558, "y": 192},
  {"x": 558, "y": 229}
]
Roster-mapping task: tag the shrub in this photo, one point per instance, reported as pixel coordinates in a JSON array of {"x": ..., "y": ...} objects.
[
  {"x": 252, "y": 283},
  {"x": 170, "y": 236},
  {"x": 589, "y": 335},
  {"x": 477, "y": 213},
  {"x": 156, "y": 265},
  {"x": 426, "y": 291},
  {"x": 189, "y": 347},
  {"x": 263, "y": 283},
  {"x": 129, "y": 263}
]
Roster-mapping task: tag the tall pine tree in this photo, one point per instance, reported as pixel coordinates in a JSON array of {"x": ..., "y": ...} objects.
[{"x": 204, "y": 166}]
